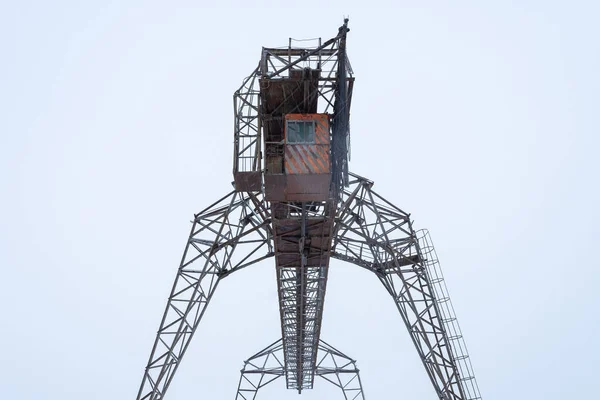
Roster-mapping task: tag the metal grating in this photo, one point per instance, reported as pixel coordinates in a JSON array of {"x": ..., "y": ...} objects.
[
  {"x": 301, "y": 294},
  {"x": 302, "y": 246}
]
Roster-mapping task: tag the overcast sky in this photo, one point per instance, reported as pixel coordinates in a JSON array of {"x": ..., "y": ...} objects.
[{"x": 478, "y": 118}]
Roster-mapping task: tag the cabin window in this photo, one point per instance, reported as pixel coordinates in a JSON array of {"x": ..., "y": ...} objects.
[{"x": 300, "y": 131}]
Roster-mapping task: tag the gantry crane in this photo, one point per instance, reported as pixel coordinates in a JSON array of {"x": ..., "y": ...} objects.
[{"x": 303, "y": 207}]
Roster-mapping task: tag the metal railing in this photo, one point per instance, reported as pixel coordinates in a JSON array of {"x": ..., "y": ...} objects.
[{"x": 458, "y": 347}]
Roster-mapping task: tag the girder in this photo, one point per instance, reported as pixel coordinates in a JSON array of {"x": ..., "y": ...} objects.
[
  {"x": 302, "y": 237},
  {"x": 267, "y": 366},
  {"x": 242, "y": 229},
  {"x": 375, "y": 234},
  {"x": 231, "y": 234}
]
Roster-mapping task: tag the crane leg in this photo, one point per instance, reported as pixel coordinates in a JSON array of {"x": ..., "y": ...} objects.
[
  {"x": 239, "y": 223},
  {"x": 261, "y": 369},
  {"x": 374, "y": 234},
  {"x": 340, "y": 370}
]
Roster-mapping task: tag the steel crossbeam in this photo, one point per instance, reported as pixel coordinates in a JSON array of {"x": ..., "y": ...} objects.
[
  {"x": 302, "y": 243},
  {"x": 373, "y": 233},
  {"x": 267, "y": 366},
  {"x": 242, "y": 229}
]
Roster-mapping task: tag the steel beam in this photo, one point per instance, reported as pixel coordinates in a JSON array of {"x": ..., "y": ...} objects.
[
  {"x": 375, "y": 234},
  {"x": 268, "y": 365},
  {"x": 237, "y": 223}
]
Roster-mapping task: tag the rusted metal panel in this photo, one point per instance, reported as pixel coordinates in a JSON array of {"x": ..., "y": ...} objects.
[
  {"x": 305, "y": 158},
  {"x": 274, "y": 164},
  {"x": 296, "y": 94},
  {"x": 308, "y": 187},
  {"x": 248, "y": 181},
  {"x": 291, "y": 95},
  {"x": 308, "y": 165},
  {"x": 321, "y": 125},
  {"x": 275, "y": 187}
]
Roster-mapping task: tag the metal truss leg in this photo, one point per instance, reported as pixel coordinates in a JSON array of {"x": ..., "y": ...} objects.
[
  {"x": 261, "y": 369},
  {"x": 268, "y": 365},
  {"x": 339, "y": 369},
  {"x": 373, "y": 233},
  {"x": 227, "y": 236}
]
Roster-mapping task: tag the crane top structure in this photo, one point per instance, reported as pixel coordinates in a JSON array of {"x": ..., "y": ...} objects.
[
  {"x": 296, "y": 201},
  {"x": 298, "y": 101}
]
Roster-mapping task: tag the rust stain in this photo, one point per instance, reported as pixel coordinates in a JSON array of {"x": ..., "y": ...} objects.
[{"x": 305, "y": 158}]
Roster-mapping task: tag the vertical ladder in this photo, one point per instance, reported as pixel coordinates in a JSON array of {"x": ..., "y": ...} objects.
[{"x": 458, "y": 347}]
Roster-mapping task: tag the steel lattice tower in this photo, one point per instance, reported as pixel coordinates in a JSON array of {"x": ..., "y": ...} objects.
[{"x": 302, "y": 208}]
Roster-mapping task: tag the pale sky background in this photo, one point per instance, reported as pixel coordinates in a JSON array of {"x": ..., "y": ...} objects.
[{"x": 479, "y": 118}]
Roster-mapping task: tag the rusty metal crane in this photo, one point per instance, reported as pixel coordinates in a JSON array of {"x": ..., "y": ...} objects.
[{"x": 302, "y": 208}]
